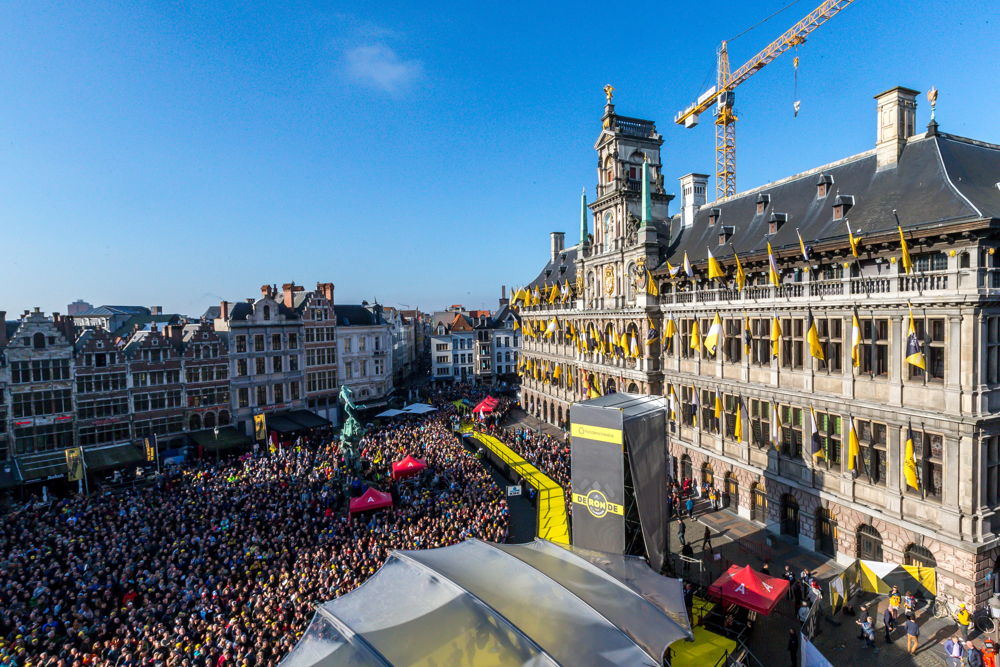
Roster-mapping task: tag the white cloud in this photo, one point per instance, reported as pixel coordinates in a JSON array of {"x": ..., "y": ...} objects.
[{"x": 378, "y": 66}]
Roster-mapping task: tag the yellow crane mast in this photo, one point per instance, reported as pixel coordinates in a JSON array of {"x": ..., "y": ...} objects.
[{"x": 722, "y": 95}]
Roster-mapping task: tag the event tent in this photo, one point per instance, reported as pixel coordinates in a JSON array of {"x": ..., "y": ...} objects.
[
  {"x": 372, "y": 499},
  {"x": 488, "y": 404},
  {"x": 419, "y": 408},
  {"x": 481, "y": 603},
  {"x": 748, "y": 588},
  {"x": 407, "y": 466},
  {"x": 391, "y": 412}
]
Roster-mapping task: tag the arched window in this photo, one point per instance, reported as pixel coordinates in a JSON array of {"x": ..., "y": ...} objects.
[
  {"x": 38, "y": 341},
  {"x": 195, "y": 423},
  {"x": 610, "y": 387},
  {"x": 869, "y": 543},
  {"x": 758, "y": 503},
  {"x": 609, "y": 170},
  {"x": 267, "y": 312},
  {"x": 210, "y": 420},
  {"x": 789, "y": 515},
  {"x": 633, "y": 388},
  {"x": 918, "y": 555},
  {"x": 707, "y": 474},
  {"x": 826, "y": 532},
  {"x": 732, "y": 494},
  {"x": 687, "y": 472}
]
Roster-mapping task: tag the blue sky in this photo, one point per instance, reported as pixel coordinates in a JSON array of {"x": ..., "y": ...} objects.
[{"x": 178, "y": 153}]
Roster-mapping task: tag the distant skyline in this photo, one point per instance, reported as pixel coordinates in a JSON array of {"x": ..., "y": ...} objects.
[{"x": 177, "y": 155}]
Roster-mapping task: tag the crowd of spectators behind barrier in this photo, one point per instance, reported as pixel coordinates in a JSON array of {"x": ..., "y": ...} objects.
[{"x": 223, "y": 564}]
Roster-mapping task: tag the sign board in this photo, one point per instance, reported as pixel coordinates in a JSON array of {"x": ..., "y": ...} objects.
[
  {"x": 260, "y": 427},
  {"x": 513, "y": 490},
  {"x": 74, "y": 464},
  {"x": 149, "y": 446},
  {"x": 598, "y": 478}
]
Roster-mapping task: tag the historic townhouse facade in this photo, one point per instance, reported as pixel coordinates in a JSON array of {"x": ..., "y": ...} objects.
[
  {"x": 319, "y": 330},
  {"x": 156, "y": 382},
  {"x": 624, "y": 329},
  {"x": 103, "y": 412},
  {"x": 365, "y": 358},
  {"x": 206, "y": 376}
]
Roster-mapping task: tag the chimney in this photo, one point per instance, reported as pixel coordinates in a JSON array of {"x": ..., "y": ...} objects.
[
  {"x": 326, "y": 289},
  {"x": 288, "y": 291},
  {"x": 156, "y": 310},
  {"x": 558, "y": 241},
  {"x": 503, "y": 296},
  {"x": 224, "y": 310},
  {"x": 693, "y": 196},
  {"x": 265, "y": 291},
  {"x": 3, "y": 328},
  {"x": 896, "y": 120}
]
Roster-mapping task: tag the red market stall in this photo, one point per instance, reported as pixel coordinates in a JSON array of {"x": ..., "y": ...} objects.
[
  {"x": 486, "y": 405},
  {"x": 407, "y": 467},
  {"x": 748, "y": 588},
  {"x": 372, "y": 499}
]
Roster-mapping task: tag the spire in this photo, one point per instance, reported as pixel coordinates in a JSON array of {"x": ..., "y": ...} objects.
[
  {"x": 583, "y": 217},
  {"x": 647, "y": 203}
]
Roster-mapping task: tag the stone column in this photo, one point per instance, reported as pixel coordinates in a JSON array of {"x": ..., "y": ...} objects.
[{"x": 897, "y": 347}]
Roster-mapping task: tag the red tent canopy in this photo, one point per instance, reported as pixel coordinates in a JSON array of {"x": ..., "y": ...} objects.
[
  {"x": 408, "y": 466},
  {"x": 748, "y": 588},
  {"x": 372, "y": 499},
  {"x": 486, "y": 405}
]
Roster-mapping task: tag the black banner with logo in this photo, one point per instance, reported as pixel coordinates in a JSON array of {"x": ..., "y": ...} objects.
[{"x": 598, "y": 478}]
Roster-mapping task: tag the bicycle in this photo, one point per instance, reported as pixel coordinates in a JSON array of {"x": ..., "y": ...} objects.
[{"x": 940, "y": 609}]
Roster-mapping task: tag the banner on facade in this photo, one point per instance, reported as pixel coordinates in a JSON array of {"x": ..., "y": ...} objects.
[
  {"x": 74, "y": 464},
  {"x": 260, "y": 427},
  {"x": 149, "y": 445}
]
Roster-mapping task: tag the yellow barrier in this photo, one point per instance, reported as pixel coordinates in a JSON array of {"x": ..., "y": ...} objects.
[{"x": 553, "y": 524}]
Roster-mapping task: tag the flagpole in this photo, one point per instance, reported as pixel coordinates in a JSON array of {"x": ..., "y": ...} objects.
[{"x": 864, "y": 284}]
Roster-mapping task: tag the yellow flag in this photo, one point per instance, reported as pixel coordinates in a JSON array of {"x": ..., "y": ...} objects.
[
  {"x": 775, "y": 337},
  {"x": 569, "y": 378},
  {"x": 855, "y": 341},
  {"x": 815, "y": 347},
  {"x": 552, "y": 327},
  {"x": 651, "y": 288},
  {"x": 557, "y": 373},
  {"x": 738, "y": 425},
  {"x": 695, "y": 336},
  {"x": 853, "y": 446},
  {"x": 747, "y": 336},
  {"x": 741, "y": 276},
  {"x": 914, "y": 350},
  {"x": 669, "y": 329},
  {"x": 854, "y": 240},
  {"x": 907, "y": 262},
  {"x": 718, "y": 405},
  {"x": 773, "y": 273},
  {"x": 712, "y": 338},
  {"x": 553, "y": 294},
  {"x": 714, "y": 268},
  {"x": 910, "y": 462}
]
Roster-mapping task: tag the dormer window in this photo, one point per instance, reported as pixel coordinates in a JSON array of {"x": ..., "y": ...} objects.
[
  {"x": 725, "y": 234},
  {"x": 713, "y": 216},
  {"x": 267, "y": 312},
  {"x": 823, "y": 184},
  {"x": 775, "y": 222},
  {"x": 841, "y": 205},
  {"x": 762, "y": 202}
]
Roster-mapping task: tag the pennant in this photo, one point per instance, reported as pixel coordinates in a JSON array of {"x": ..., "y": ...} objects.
[
  {"x": 910, "y": 461},
  {"x": 517, "y": 325},
  {"x": 714, "y": 268},
  {"x": 651, "y": 288},
  {"x": 747, "y": 336},
  {"x": 802, "y": 247},
  {"x": 773, "y": 273},
  {"x": 741, "y": 276},
  {"x": 855, "y": 341},
  {"x": 814, "y": 439},
  {"x": 688, "y": 270},
  {"x": 914, "y": 350},
  {"x": 853, "y": 446},
  {"x": 775, "y": 337},
  {"x": 712, "y": 338},
  {"x": 812, "y": 336},
  {"x": 695, "y": 336},
  {"x": 907, "y": 261}
]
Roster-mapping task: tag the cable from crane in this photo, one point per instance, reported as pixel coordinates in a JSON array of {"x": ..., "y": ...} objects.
[
  {"x": 765, "y": 19},
  {"x": 796, "y": 104}
]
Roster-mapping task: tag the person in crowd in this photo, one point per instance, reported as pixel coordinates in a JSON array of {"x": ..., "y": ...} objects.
[
  {"x": 889, "y": 623},
  {"x": 954, "y": 651},
  {"x": 793, "y": 646},
  {"x": 973, "y": 656},
  {"x": 964, "y": 619},
  {"x": 912, "y": 635}
]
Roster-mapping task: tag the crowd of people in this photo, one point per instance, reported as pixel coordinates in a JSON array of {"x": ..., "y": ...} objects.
[{"x": 223, "y": 564}]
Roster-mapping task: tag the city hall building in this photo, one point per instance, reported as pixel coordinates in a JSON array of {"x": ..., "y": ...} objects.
[{"x": 806, "y": 340}]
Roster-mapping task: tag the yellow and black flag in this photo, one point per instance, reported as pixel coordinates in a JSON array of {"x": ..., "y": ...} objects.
[
  {"x": 853, "y": 447},
  {"x": 812, "y": 336},
  {"x": 914, "y": 350},
  {"x": 747, "y": 336},
  {"x": 910, "y": 461},
  {"x": 74, "y": 464},
  {"x": 775, "y": 336},
  {"x": 816, "y": 443},
  {"x": 651, "y": 288},
  {"x": 260, "y": 427},
  {"x": 907, "y": 261}
]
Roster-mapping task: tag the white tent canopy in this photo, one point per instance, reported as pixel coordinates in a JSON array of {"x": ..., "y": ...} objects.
[
  {"x": 419, "y": 408},
  {"x": 480, "y": 603},
  {"x": 391, "y": 412}
]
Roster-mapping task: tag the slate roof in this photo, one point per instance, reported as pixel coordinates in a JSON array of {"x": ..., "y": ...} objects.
[
  {"x": 144, "y": 322},
  {"x": 355, "y": 316},
  {"x": 938, "y": 179},
  {"x": 211, "y": 313},
  {"x": 563, "y": 268},
  {"x": 114, "y": 310}
]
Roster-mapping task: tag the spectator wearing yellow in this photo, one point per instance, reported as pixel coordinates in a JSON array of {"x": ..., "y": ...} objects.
[{"x": 964, "y": 619}]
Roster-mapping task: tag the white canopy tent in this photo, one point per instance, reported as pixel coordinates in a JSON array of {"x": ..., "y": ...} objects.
[
  {"x": 391, "y": 412},
  {"x": 484, "y": 604},
  {"x": 419, "y": 408}
]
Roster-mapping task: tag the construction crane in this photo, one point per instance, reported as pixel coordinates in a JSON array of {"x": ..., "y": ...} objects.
[{"x": 722, "y": 95}]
